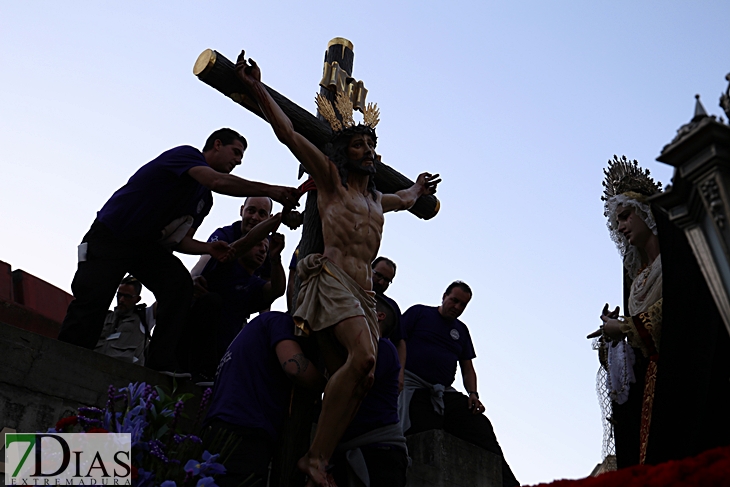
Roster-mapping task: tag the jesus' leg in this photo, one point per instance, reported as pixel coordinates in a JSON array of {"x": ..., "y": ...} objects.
[{"x": 343, "y": 394}]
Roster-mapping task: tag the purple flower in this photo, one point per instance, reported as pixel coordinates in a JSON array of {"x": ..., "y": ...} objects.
[
  {"x": 88, "y": 421},
  {"x": 144, "y": 478},
  {"x": 207, "y": 467},
  {"x": 177, "y": 412},
  {"x": 156, "y": 450},
  {"x": 192, "y": 467},
  {"x": 203, "y": 403},
  {"x": 209, "y": 457},
  {"x": 210, "y": 465},
  {"x": 168, "y": 483},
  {"x": 134, "y": 391},
  {"x": 206, "y": 482}
]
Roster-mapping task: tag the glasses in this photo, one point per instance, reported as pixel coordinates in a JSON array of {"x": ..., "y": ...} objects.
[
  {"x": 125, "y": 295},
  {"x": 379, "y": 276}
]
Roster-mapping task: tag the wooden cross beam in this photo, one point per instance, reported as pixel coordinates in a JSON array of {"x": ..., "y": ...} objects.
[{"x": 215, "y": 70}]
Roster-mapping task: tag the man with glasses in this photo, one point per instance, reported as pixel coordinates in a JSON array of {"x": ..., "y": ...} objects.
[
  {"x": 383, "y": 274},
  {"x": 125, "y": 333}
]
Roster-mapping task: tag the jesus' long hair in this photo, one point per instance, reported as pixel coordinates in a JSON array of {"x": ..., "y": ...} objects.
[{"x": 336, "y": 150}]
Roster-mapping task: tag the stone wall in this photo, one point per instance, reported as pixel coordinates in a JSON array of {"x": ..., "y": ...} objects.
[
  {"x": 43, "y": 380},
  {"x": 443, "y": 460}
]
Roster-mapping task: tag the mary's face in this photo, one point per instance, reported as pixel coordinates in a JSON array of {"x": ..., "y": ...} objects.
[{"x": 631, "y": 226}]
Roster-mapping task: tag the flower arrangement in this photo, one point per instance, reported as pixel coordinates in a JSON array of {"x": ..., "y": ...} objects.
[
  {"x": 710, "y": 468},
  {"x": 161, "y": 453}
]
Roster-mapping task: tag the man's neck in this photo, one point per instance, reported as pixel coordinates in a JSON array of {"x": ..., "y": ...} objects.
[
  {"x": 358, "y": 182},
  {"x": 442, "y": 316},
  {"x": 207, "y": 156},
  {"x": 123, "y": 311},
  {"x": 248, "y": 266}
]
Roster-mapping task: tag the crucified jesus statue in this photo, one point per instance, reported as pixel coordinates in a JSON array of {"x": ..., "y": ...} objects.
[{"x": 336, "y": 303}]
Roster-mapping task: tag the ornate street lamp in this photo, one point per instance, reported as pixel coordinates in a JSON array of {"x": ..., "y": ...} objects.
[{"x": 698, "y": 201}]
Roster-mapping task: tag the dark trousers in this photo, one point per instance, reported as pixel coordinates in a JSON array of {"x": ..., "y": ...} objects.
[
  {"x": 387, "y": 466},
  {"x": 96, "y": 282},
  {"x": 199, "y": 349},
  {"x": 459, "y": 421},
  {"x": 247, "y": 461}
]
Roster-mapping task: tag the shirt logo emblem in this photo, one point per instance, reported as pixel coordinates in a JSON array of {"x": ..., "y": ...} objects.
[
  {"x": 454, "y": 334},
  {"x": 201, "y": 204}
]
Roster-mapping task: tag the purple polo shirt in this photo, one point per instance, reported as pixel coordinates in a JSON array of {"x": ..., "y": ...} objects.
[
  {"x": 158, "y": 193},
  {"x": 242, "y": 295},
  {"x": 251, "y": 389},
  {"x": 435, "y": 344},
  {"x": 380, "y": 406}
]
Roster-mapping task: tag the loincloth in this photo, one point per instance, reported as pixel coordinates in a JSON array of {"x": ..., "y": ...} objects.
[{"x": 328, "y": 296}]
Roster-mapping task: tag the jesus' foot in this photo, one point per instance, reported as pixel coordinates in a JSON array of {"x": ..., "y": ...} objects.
[{"x": 316, "y": 471}]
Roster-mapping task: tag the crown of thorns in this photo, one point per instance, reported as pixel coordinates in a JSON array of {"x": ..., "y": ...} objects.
[
  {"x": 623, "y": 176},
  {"x": 343, "y": 105}
]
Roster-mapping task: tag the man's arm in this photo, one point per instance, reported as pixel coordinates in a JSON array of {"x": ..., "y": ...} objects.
[
  {"x": 470, "y": 383},
  {"x": 406, "y": 198},
  {"x": 314, "y": 161},
  {"x": 197, "y": 269},
  {"x": 256, "y": 235},
  {"x": 200, "y": 285},
  {"x": 231, "y": 185},
  {"x": 218, "y": 250},
  {"x": 298, "y": 367},
  {"x": 276, "y": 287}
]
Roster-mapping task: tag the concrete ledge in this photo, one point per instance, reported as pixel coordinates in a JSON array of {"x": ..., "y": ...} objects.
[
  {"x": 443, "y": 460},
  {"x": 43, "y": 379}
]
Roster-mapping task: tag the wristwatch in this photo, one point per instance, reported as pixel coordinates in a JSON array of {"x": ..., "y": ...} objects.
[{"x": 475, "y": 393}]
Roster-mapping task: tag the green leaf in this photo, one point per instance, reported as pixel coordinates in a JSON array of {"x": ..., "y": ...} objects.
[{"x": 162, "y": 431}]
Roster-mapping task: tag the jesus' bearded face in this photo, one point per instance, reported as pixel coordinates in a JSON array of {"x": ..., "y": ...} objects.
[{"x": 361, "y": 154}]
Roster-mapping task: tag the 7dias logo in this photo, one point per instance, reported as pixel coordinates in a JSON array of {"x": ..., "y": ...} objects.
[{"x": 68, "y": 459}]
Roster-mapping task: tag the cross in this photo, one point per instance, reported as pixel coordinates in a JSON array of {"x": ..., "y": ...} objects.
[{"x": 217, "y": 71}]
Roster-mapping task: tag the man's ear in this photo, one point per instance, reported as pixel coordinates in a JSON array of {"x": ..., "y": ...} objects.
[
  {"x": 217, "y": 144},
  {"x": 138, "y": 299},
  {"x": 241, "y": 212},
  {"x": 381, "y": 316}
]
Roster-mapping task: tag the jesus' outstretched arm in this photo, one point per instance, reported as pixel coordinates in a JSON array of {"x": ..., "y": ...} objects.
[
  {"x": 313, "y": 160},
  {"x": 406, "y": 198}
]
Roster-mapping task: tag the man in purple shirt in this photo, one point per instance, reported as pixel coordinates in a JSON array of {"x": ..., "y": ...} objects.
[
  {"x": 383, "y": 275},
  {"x": 252, "y": 391},
  {"x": 437, "y": 341},
  {"x": 158, "y": 211},
  {"x": 234, "y": 292}
]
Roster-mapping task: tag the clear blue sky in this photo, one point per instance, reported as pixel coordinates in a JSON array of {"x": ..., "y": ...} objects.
[{"x": 517, "y": 104}]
